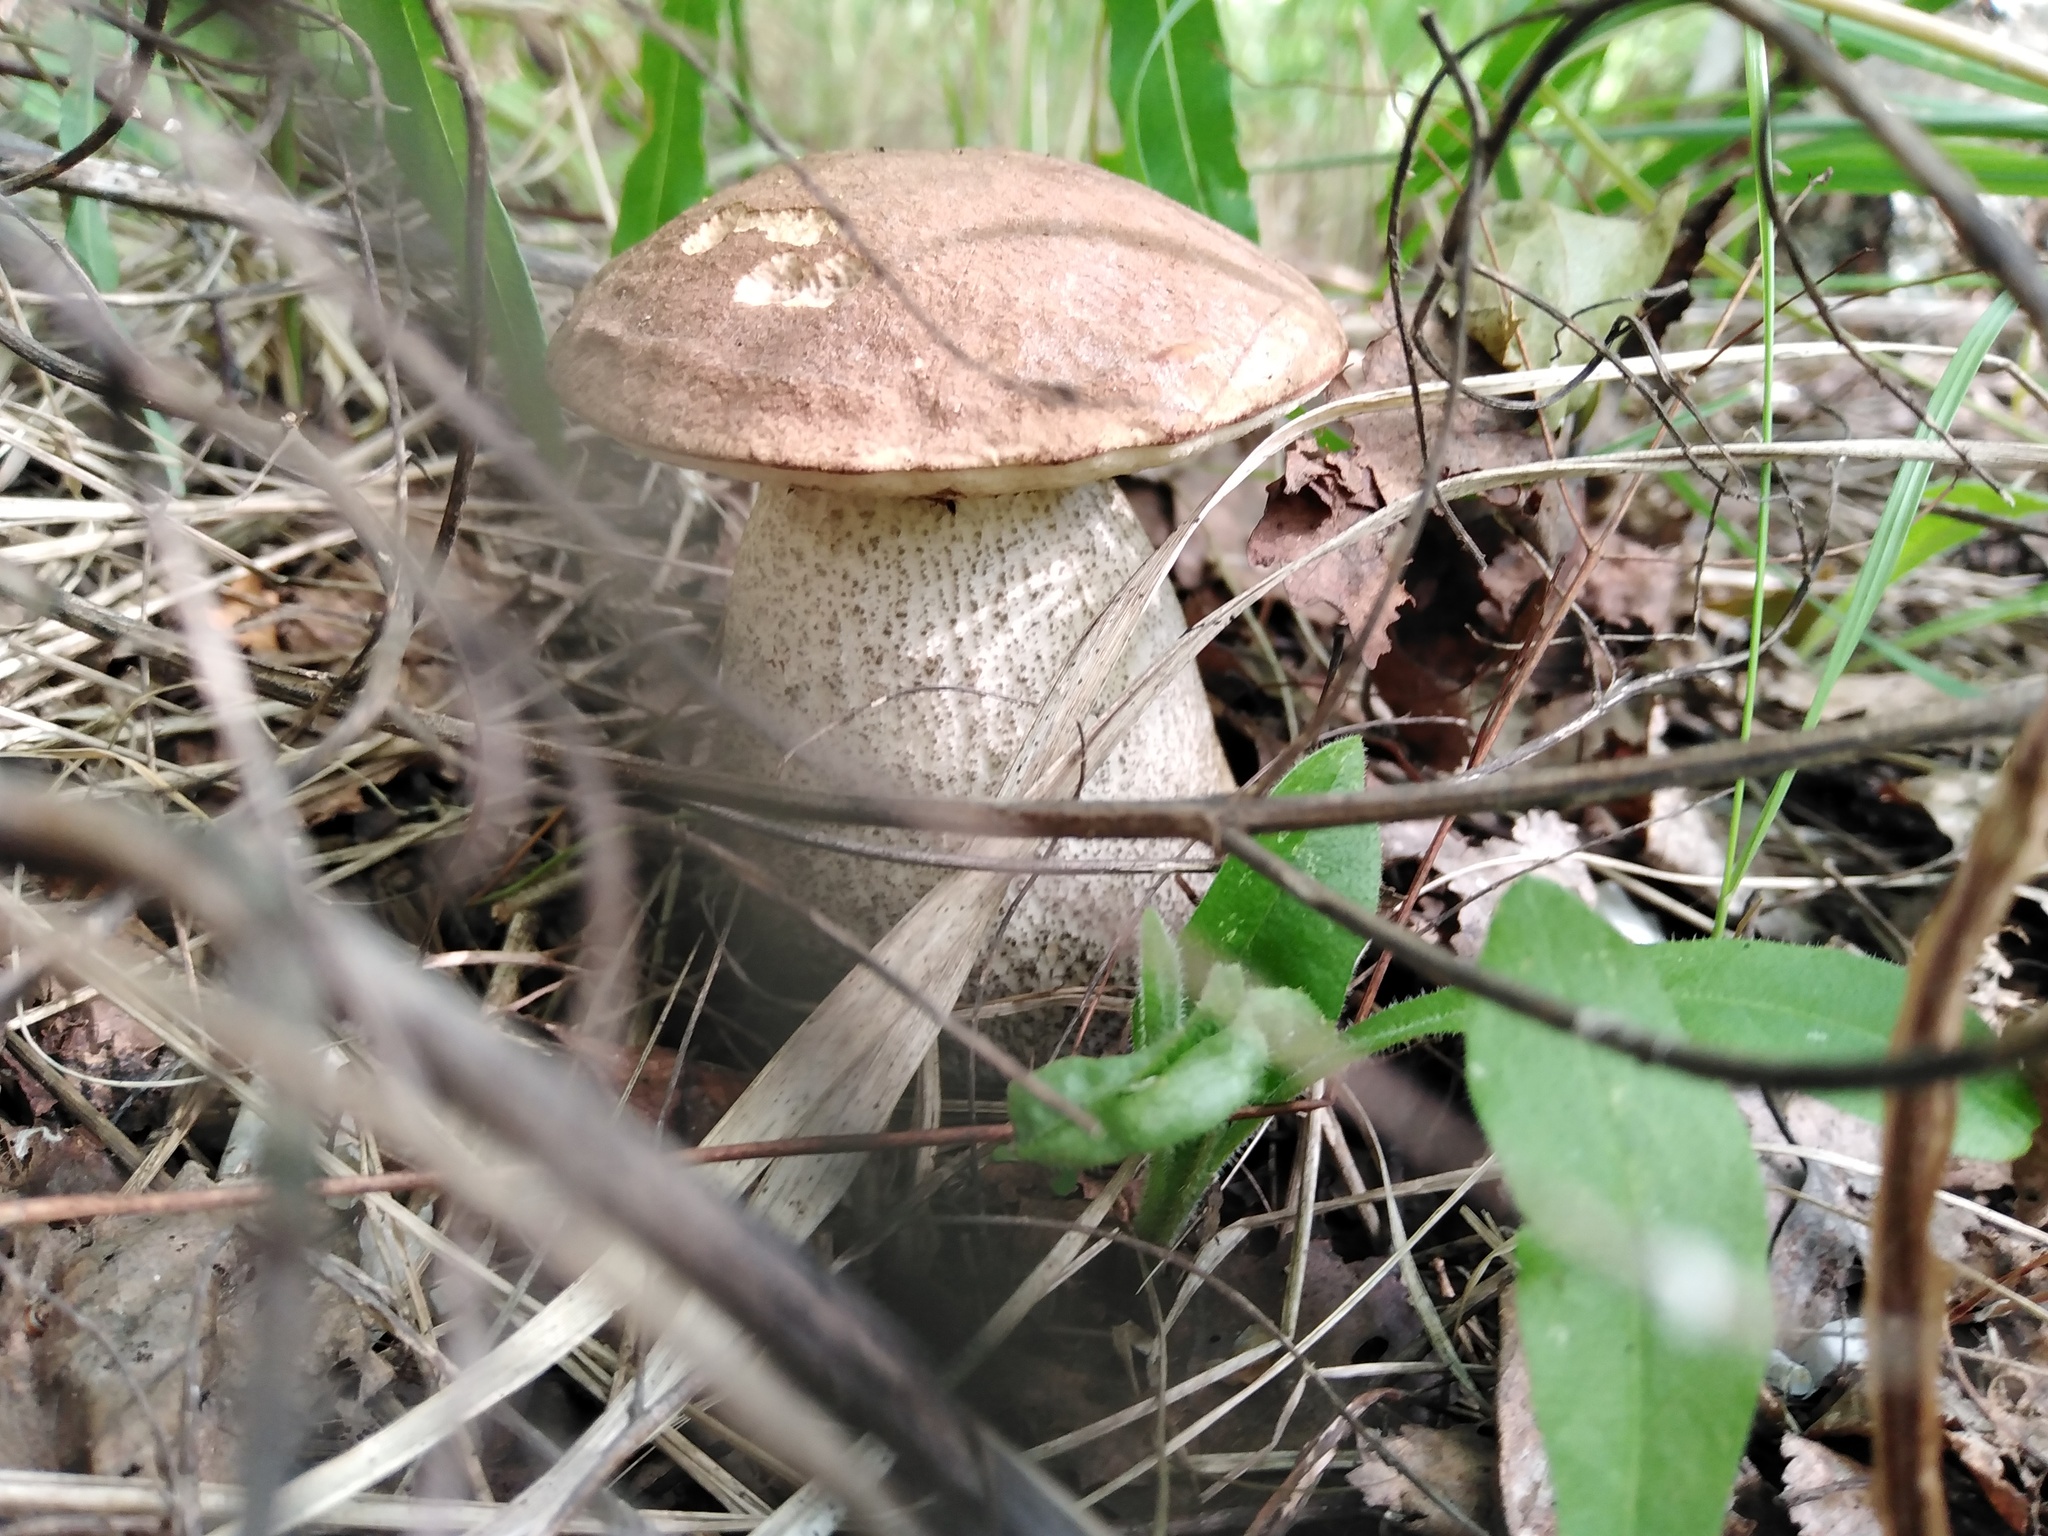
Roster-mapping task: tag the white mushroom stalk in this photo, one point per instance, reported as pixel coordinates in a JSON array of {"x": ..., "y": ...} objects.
[{"x": 937, "y": 407}]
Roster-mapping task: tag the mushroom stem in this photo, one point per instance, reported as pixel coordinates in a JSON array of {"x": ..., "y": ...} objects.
[{"x": 910, "y": 641}]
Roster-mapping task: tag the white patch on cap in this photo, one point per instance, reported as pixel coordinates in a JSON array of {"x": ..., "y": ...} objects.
[
  {"x": 796, "y": 280},
  {"x": 784, "y": 226}
]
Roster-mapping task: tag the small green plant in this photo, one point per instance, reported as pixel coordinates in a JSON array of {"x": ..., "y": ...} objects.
[{"x": 1643, "y": 1297}]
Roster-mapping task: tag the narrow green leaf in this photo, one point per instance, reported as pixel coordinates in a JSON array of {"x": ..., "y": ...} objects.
[
  {"x": 1850, "y": 622},
  {"x": 1434, "y": 1013},
  {"x": 1855, "y": 163},
  {"x": 1811, "y": 1003},
  {"x": 1642, "y": 1292},
  {"x": 1932, "y": 534},
  {"x": 1170, "y": 81},
  {"x": 428, "y": 139},
  {"x": 1162, "y": 990},
  {"x": 667, "y": 173},
  {"x": 2030, "y": 604},
  {"x": 85, "y": 222}
]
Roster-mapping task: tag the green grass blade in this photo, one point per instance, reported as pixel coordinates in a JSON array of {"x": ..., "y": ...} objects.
[
  {"x": 85, "y": 225},
  {"x": 1757, "y": 70},
  {"x": 1909, "y": 486},
  {"x": 2031, "y": 604},
  {"x": 429, "y": 141},
  {"x": 668, "y": 171},
  {"x": 1170, "y": 81}
]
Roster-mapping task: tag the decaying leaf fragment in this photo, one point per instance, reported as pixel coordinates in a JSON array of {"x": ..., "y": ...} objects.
[
  {"x": 1319, "y": 495},
  {"x": 1591, "y": 268}
]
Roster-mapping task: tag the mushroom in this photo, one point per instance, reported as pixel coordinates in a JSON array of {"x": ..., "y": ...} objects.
[{"x": 935, "y": 372}]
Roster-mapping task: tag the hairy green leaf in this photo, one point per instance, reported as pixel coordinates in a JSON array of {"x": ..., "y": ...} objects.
[
  {"x": 667, "y": 173},
  {"x": 1170, "y": 81},
  {"x": 429, "y": 140},
  {"x": 1642, "y": 1293},
  {"x": 1162, "y": 990},
  {"x": 1811, "y": 1003},
  {"x": 1245, "y": 917}
]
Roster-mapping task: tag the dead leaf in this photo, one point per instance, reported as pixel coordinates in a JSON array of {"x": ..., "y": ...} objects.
[
  {"x": 1826, "y": 1493},
  {"x": 1528, "y": 1503},
  {"x": 1319, "y": 495},
  {"x": 1953, "y": 797},
  {"x": 1684, "y": 836},
  {"x": 103, "y": 1041},
  {"x": 1594, "y": 269},
  {"x": 1541, "y": 843},
  {"x": 138, "y": 1279},
  {"x": 1632, "y": 587},
  {"x": 1984, "y": 1463},
  {"x": 1457, "y": 1463},
  {"x": 70, "y": 1162}
]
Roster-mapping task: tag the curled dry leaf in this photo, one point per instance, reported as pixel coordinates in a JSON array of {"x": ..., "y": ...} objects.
[
  {"x": 1826, "y": 1493},
  {"x": 1322, "y": 491},
  {"x": 1457, "y": 1462},
  {"x": 1319, "y": 495}
]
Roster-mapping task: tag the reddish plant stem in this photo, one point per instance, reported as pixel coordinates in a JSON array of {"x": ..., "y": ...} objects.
[
  {"x": 43, "y": 1209},
  {"x": 1905, "y": 1312}
]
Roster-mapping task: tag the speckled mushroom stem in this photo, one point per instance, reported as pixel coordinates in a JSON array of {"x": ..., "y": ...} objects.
[{"x": 909, "y": 641}]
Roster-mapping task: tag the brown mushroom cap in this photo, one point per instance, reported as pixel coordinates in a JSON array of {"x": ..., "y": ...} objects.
[{"x": 1096, "y": 327}]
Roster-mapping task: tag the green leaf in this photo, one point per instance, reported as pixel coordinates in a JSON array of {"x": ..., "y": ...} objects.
[
  {"x": 1162, "y": 991},
  {"x": 1592, "y": 268},
  {"x": 1179, "y": 1088},
  {"x": 1434, "y": 1013},
  {"x": 85, "y": 222},
  {"x": 1857, "y": 164},
  {"x": 1798, "y": 1002},
  {"x": 428, "y": 139},
  {"x": 667, "y": 173},
  {"x": 1811, "y": 1003},
  {"x": 1245, "y": 917},
  {"x": 1932, "y": 534},
  {"x": 1169, "y": 79},
  {"x": 1642, "y": 1294}
]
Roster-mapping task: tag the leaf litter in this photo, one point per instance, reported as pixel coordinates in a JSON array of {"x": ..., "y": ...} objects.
[{"x": 1445, "y": 642}]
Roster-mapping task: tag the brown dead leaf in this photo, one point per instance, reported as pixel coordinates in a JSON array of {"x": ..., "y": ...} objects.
[
  {"x": 1457, "y": 1463},
  {"x": 1984, "y": 1463},
  {"x": 68, "y": 1163},
  {"x": 1528, "y": 1502},
  {"x": 1826, "y": 1493},
  {"x": 240, "y": 609},
  {"x": 1319, "y": 495},
  {"x": 704, "y": 1095},
  {"x": 138, "y": 1279},
  {"x": 1322, "y": 492},
  {"x": 1481, "y": 437},
  {"x": 1633, "y": 587},
  {"x": 105, "y": 1041}
]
